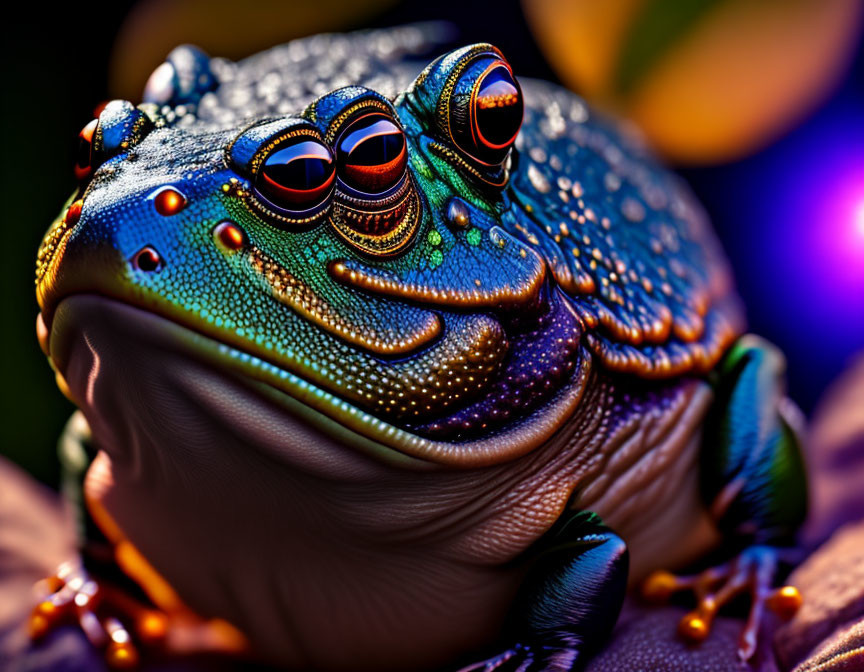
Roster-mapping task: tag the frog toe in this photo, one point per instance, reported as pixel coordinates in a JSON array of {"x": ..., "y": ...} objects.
[
  {"x": 510, "y": 659},
  {"x": 121, "y": 626},
  {"x": 72, "y": 596},
  {"x": 124, "y": 627},
  {"x": 753, "y": 572},
  {"x": 528, "y": 658}
]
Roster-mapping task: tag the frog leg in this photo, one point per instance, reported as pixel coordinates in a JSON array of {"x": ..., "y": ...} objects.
[
  {"x": 569, "y": 600},
  {"x": 102, "y": 608},
  {"x": 753, "y": 482}
]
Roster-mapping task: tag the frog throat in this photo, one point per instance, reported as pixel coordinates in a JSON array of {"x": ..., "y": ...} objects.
[{"x": 82, "y": 342}]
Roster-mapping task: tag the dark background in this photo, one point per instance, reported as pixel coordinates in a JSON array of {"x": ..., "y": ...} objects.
[{"x": 780, "y": 213}]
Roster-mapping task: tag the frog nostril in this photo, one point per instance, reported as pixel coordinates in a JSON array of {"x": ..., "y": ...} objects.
[
  {"x": 148, "y": 260},
  {"x": 169, "y": 201}
]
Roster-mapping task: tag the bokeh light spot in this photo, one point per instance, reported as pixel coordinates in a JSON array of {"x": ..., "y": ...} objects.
[{"x": 859, "y": 218}]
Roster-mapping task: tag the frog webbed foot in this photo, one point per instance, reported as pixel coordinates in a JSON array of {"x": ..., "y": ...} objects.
[
  {"x": 754, "y": 486},
  {"x": 752, "y": 571},
  {"x": 121, "y": 625},
  {"x": 72, "y": 595}
]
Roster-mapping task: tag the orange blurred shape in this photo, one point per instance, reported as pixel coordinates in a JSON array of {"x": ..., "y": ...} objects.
[{"x": 706, "y": 80}]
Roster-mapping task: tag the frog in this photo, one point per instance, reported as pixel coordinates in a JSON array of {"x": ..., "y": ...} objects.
[{"x": 384, "y": 366}]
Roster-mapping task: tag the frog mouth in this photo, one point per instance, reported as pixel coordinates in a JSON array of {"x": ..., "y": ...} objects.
[{"x": 517, "y": 434}]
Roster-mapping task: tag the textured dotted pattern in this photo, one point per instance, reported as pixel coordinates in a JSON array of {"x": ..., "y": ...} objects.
[
  {"x": 545, "y": 352},
  {"x": 472, "y": 329},
  {"x": 286, "y": 79},
  {"x": 623, "y": 238}
]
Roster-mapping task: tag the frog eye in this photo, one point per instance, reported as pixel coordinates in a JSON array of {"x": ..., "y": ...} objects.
[
  {"x": 485, "y": 111},
  {"x": 120, "y": 127},
  {"x": 371, "y": 154},
  {"x": 297, "y": 175},
  {"x": 84, "y": 152}
]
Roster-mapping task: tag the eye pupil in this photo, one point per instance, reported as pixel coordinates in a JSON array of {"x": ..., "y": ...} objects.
[
  {"x": 302, "y": 167},
  {"x": 498, "y": 109},
  {"x": 372, "y": 154},
  {"x": 486, "y": 109},
  {"x": 297, "y": 176}
]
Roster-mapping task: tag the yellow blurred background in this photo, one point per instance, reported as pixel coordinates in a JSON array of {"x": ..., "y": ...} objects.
[{"x": 706, "y": 80}]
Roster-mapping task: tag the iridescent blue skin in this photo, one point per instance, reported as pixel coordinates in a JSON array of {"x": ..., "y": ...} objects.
[{"x": 509, "y": 299}]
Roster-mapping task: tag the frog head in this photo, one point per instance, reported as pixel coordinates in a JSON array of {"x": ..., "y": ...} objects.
[{"x": 353, "y": 263}]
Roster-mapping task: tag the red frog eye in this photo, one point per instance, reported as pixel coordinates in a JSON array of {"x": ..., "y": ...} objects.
[
  {"x": 486, "y": 111},
  {"x": 371, "y": 154},
  {"x": 297, "y": 175},
  {"x": 84, "y": 152}
]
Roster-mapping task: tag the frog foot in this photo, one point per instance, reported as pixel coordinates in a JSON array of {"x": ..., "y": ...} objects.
[
  {"x": 753, "y": 571},
  {"x": 71, "y": 595},
  {"x": 120, "y": 625}
]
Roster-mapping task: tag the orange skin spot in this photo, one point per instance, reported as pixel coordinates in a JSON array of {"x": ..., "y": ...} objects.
[
  {"x": 169, "y": 202},
  {"x": 659, "y": 586},
  {"x": 121, "y": 656},
  {"x": 230, "y": 236},
  {"x": 73, "y": 214}
]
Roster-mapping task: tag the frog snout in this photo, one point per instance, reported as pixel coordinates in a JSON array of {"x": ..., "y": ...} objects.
[{"x": 119, "y": 127}]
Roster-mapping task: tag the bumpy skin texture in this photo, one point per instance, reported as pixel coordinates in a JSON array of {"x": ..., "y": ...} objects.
[
  {"x": 350, "y": 437},
  {"x": 638, "y": 280}
]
